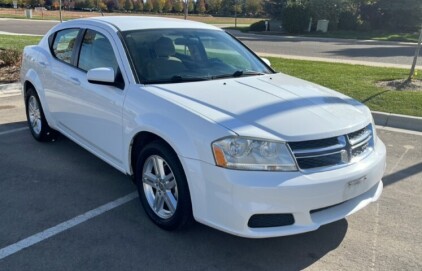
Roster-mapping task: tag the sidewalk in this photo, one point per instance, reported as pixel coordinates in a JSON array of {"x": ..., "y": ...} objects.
[{"x": 381, "y": 119}]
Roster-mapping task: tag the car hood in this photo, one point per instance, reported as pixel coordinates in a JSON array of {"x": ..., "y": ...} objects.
[{"x": 275, "y": 106}]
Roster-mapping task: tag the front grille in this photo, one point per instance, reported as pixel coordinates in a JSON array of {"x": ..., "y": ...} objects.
[{"x": 333, "y": 151}]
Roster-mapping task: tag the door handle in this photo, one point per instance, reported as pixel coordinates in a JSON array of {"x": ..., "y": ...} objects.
[
  {"x": 43, "y": 64},
  {"x": 75, "y": 80}
]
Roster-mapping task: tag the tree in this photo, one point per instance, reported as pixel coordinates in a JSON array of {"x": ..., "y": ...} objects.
[
  {"x": 214, "y": 6},
  {"x": 89, "y": 3},
  {"x": 157, "y": 6},
  {"x": 168, "y": 6},
  {"x": 326, "y": 10},
  {"x": 403, "y": 15},
  {"x": 415, "y": 59},
  {"x": 138, "y": 5},
  {"x": 191, "y": 6},
  {"x": 253, "y": 7},
  {"x": 201, "y": 7},
  {"x": 102, "y": 5},
  {"x": 148, "y": 6},
  {"x": 178, "y": 6},
  {"x": 274, "y": 7},
  {"x": 128, "y": 5}
]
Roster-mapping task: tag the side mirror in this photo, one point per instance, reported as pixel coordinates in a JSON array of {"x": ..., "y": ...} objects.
[
  {"x": 104, "y": 76},
  {"x": 266, "y": 61}
]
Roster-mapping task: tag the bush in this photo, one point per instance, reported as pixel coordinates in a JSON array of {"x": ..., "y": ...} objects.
[
  {"x": 347, "y": 21},
  {"x": 257, "y": 26},
  {"x": 295, "y": 18},
  {"x": 10, "y": 57}
]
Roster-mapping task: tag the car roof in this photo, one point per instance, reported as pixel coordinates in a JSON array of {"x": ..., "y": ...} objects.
[{"x": 127, "y": 23}]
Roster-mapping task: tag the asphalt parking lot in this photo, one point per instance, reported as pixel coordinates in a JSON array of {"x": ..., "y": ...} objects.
[{"x": 43, "y": 185}]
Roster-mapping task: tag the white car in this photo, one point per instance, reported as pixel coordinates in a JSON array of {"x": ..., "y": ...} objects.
[{"x": 206, "y": 128}]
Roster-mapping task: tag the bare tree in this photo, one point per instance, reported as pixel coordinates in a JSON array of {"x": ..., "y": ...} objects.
[{"x": 415, "y": 59}]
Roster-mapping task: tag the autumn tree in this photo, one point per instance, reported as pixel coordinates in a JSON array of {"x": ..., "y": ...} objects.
[
  {"x": 201, "y": 6},
  {"x": 128, "y": 5},
  {"x": 138, "y": 5},
  {"x": 148, "y": 6},
  {"x": 168, "y": 6},
  {"x": 214, "y": 6},
  {"x": 178, "y": 6}
]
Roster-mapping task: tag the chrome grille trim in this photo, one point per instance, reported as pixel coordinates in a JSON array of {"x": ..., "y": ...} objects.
[{"x": 333, "y": 152}]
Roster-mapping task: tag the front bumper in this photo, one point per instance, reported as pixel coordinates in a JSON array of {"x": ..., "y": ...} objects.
[{"x": 226, "y": 199}]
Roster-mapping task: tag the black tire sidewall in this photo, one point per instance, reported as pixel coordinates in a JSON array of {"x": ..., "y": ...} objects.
[
  {"x": 46, "y": 133},
  {"x": 183, "y": 211}
]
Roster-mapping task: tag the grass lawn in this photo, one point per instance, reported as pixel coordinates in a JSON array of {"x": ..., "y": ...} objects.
[
  {"x": 358, "y": 82},
  {"x": 353, "y": 80},
  {"x": 17, "y": 42}
]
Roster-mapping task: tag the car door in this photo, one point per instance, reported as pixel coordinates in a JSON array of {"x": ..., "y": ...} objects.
[{"x": 93, "y": 114}]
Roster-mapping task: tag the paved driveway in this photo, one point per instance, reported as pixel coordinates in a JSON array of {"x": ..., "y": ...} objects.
[{"x": 45, "y": 184}]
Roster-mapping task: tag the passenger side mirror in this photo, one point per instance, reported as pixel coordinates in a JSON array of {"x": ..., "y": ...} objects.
[
  {"x": 104, "y": 76},
  {"x": 266, "y": 61}
]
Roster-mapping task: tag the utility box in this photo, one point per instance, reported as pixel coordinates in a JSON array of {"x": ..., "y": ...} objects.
[
  {"x": 28, "y": 13},
  {"x": 322, "y": 25}
]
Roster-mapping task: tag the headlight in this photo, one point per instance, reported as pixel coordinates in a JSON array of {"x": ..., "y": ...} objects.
[
  {"x": 253, "y": 154},
  {"x": 374, "y": 131}
]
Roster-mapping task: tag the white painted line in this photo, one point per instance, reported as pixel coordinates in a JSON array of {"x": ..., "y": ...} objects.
[
  {"x": 41, "y": 236},
  {"x": 13, "y": 131}
]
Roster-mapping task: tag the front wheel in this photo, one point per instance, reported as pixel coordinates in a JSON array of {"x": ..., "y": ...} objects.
[
  {"x": 37, "y": 123},
  {"x": 162, "y": 187}
]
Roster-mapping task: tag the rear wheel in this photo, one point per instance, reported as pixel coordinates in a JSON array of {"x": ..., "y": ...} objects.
[
  {"x": 162, "y": 187},
  {"x": 36, "y": 120}
]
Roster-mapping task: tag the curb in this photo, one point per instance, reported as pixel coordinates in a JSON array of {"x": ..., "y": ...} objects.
[
  {"x": 10, "y": 89},
  {"x": 398, "y": 121},
  {"x": 381, "y": 119}
]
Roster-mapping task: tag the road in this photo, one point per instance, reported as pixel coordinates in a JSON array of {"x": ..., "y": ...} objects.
[
  {"x": 45, "y": 184},
  {"x": 356, "y": 52}
]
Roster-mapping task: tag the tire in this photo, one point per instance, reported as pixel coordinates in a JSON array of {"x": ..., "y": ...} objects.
[
  {"x": 37, "y": 123},
  {"x": 165, "y": 196}
]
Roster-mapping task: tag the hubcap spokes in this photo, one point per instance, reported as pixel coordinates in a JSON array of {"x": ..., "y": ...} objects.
[
  {"x": 160, "y": 186},
  {"x": 34, "y": 115}
]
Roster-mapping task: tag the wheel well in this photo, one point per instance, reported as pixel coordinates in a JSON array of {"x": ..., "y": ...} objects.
[
  {"x": 140, "y": 140},
  {"x": 27, "y": 85}
]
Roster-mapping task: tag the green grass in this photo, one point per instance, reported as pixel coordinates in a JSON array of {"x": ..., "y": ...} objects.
[
  {"x": 17, "y": 42},
  {"x": 358, "y": 82},
  {"x": 373, "y": 35}
]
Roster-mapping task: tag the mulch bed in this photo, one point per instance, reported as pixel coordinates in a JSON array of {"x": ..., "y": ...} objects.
[
  {"x": 414, "y": 85},
  {"x": 9, "y": 74}
]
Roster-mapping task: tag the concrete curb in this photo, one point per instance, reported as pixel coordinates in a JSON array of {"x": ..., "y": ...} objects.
[
  {"x": 398, "y": 121},
  {"x": 10, "y": 89},
  {"x": 382, "y": 119}
]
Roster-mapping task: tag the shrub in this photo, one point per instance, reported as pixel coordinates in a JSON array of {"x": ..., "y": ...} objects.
[
  {"x": 257, "y": 26},
  {"x": 347, "y": 21},
  {"x": 10, "y": 57},
  {"x": 295, "y": 18}
]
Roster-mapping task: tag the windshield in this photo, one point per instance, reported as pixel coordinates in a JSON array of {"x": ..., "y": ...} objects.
[{"x": 183, "y": 55}]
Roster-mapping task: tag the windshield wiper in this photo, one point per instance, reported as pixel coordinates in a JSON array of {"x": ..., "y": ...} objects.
[
  {"x": 238, "y": 73},
  {"x": 177, "y": 79}
]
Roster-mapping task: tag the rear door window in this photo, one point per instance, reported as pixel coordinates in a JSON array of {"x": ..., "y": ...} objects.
[{"x": 63, "y": 44}]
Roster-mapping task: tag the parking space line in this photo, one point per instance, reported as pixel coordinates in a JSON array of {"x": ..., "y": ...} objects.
[
  {"x": 13, "y": 131},
  {"x": 38, "y": 237}
]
